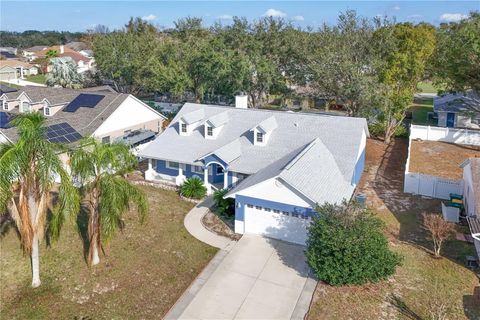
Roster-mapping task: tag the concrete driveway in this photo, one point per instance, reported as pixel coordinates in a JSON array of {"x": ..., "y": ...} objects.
[{"x": 259, "y": 278}]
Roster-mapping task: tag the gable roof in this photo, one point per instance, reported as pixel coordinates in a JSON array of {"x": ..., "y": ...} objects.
[
  {"x": 218, "y": 120},
  {"x": 193, "y": 117},
  {"x": 455, "y": 102},
  {"x": 313, "y": 171},
  {"x": 341, "y": 136},
  {"x": 85, "y": 120},
  {"x": 15, "y": 64},
  {"x": 268, "y": 124}
]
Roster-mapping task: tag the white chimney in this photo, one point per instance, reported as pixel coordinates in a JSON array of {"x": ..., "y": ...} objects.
[
  {"x": 62, "y": 50},
  {"x": 241, "y": 101}
]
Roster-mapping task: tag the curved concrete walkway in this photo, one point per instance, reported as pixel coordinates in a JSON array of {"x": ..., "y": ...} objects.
[{"x": 193, "y": 224}]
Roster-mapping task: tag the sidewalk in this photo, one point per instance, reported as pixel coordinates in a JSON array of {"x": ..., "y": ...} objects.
[{"x": 193, "y": 224}]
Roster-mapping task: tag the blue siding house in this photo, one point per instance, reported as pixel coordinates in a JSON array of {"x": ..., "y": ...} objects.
[{"x": 278, "y": 166}]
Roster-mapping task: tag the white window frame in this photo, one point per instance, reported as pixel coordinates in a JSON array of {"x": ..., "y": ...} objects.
[
  {"x": 24, "y": 103},
  {"x": 47, "y": 111},
  {"x": 182, "y": 126},
  {"x": 4, "y": 104},
  {"x": 209, "y": 131},
  {"x": 260, "y": 137},
  {"x": 172, "y": 165},
  {"x": 106, "y": 140},
  {"x": 197, "y": 169}
]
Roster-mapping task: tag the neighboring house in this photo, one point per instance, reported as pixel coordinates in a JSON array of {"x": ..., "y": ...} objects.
[
  {"x": 7, "y": 55},
  {"x": 72, "y": 114},
  {"x": 83, "y": 63},
  {"x": 277, "y": 165},
  {"x": 454, "y": 112},
  {"x": 471, "y": 193},
  {"x": 15, "y": 69},
  {"x": 31, "y": 53},
  {"x": 6, "y": 89}
]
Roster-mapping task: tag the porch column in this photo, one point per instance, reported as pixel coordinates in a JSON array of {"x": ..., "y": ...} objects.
[
  {"x": 180, "y": 179},
  {"x": 205, "y": 180},
  {"x": 149, "y": 164},
  {"x": 225, "y": 179}
]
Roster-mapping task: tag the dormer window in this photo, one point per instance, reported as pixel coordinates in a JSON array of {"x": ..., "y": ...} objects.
[
  {"x": 4, "y": 104},
  {"x": 263, "y": 131},
  {"x": 209, "y": 131},
  {"x": 260, "y": 137},
  {"x": 47, "y": 111},
  {"x": 183, "y": 127}
]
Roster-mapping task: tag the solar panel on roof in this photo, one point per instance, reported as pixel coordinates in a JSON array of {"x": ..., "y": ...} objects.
[
  {"x": 62, "y": 133},
  {"x": 83, "y": 100},
  {"x": 4, "y": 120}
]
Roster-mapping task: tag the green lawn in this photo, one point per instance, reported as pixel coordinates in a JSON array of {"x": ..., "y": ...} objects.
[
  {"x": 421, "y": 283},
  {"x": 146, "y": 270},
  {"x": 427, "y": 87},
  {"x": 420, "y": 109},
  {"x": 14, "y": 86},
  {"x": 38, "y": 78}
]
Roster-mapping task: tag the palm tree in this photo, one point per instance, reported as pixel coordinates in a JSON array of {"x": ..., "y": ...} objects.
[
  {"x": 101, "y": 169},
  {"x": 51, "y": 53},
  {"x": 64, "y": 73},
  {"x": 27, "y": 176}
]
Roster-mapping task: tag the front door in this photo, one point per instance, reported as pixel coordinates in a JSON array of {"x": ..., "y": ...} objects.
[{"x": 450, "y": 120}]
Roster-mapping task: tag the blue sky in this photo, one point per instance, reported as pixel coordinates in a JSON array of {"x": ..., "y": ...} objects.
[{"x": 81, "y": 15}]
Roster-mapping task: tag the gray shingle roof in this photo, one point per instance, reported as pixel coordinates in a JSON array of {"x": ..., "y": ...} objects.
[
  {"x": 193, "y": 117},
  {"x": 312, "y": 171},
  {"x": 84, "y": 120},
  {"x": 219, "y": 120},
  {"x": 455, "y": 102},
  {"x": 268, "y": 124},
  {"x": 340, "y": 135}
]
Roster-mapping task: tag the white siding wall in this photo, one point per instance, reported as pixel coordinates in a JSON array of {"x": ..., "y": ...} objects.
[
  {"x": 274, "y": 190},
  {"x": 468, "y": 191},
  {"x": 130, "y": 113}
]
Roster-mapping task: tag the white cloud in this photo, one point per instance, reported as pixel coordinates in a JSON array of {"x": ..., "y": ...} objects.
[
  {"x": 150, "y": 17},
  {"x": 396, "y": 8},
  {"x": 225, "y": 17},
  {"x": 274, "y": 13},
  {"x": 298, "y": 18},
  {"x": 452, "y": 17}
]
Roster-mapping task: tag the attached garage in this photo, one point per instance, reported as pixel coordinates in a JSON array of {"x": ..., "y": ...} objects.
[
  {"x": 8, "y": 73},
  {"x": 273, "y": 223}
]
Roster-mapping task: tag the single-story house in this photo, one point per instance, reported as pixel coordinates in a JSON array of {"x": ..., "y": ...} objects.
[
  {"x": 471, "y": 194},
  {"x": 72, "y": 114},
  {"x": 83, "y": 63},
  {"x": 278, "y": 166},
  {"x": 31, "y": 53},
  {"x": 455, "y": 110},
  {"x": 15, "y": 69}
]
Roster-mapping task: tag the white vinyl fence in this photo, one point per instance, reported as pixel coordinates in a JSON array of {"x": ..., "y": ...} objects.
[
  {"x": 428, "y": 185},
  {"x": 452, "y": 135},
  {"x": 431, "y": 186}
]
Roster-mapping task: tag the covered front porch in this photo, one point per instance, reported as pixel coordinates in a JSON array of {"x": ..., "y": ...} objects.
[{"x": 215, "y": 175}]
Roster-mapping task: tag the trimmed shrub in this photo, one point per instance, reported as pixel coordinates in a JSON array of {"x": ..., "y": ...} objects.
[
  {"x": 193, "y": 188},
  {"x": 225, "y": 207},
  {"x": 346, "y": 245}
]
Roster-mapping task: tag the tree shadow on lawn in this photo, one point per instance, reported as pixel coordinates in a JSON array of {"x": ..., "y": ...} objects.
[{"x": 386, "y": 183}]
